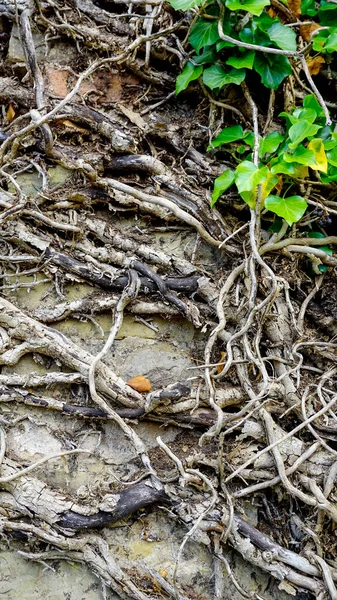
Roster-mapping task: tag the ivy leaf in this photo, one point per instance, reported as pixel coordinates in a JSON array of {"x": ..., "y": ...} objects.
[
  {"x": 249, "y": 139},
  {"x": 276, "y": 226},
  {"x": 248, "y": 176},
  {"x": 189, "y": 73},
  {"x": 327, "y": 13},
  {"x": 204, "y": 33},
  {"x": 321, "y": 162},
  {"x": 249, "y": 198},
  {"x": 332, "y": 157},
  {"x": 302, "y": 155},
  {"x": 263, "y": 22},
  {"x": 272, "y": 69},
  {"x": 310, "y": 101},
  {"x": 329, "y": 144},
  {"x": 270, "y": 143},
  {"x": 331, "y": 176},
  {"x": 184, "y": 4},
  {"x": 208, "y": 56},
  {"x": 253, "y": 35},
  {"x": 319, "y": 40},
  {"x": 292, "y": 169},
  {"x": 245, "y": 61},
  {"x": 326, "y": 5},
  {"x": 326, "y": 41},
  {"x": 255, "y": 7},
  {"x": 331, "y": 43},
  {"x": 290, "y": 209},
  {"x": 217, "y": 77},
  {"x": 303, "y": 114},
  {"x": 300, "y": 131},
  {"x": 283, "y": 37},
  {"x": 221, "y": 184},
  {"x": 222, "y": 44},
  {"x": 308, "y": 8},
  {"x": 269, "y": 184},
  {"x": 227, "y": 135}
]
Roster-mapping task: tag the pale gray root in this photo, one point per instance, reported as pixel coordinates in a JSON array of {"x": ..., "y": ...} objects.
[
  {"x": 40, "y": 338},
  {"x": 290, "y": 449}
]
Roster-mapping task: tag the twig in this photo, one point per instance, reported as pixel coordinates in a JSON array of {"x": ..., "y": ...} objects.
[{"x": 40, "y": 462}]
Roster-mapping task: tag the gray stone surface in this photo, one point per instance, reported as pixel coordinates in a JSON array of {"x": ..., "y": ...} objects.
[
  {"x": 21, "y": 579},
  {"x": 15, "y": 51},
  {"x": 31, "y": 183}
]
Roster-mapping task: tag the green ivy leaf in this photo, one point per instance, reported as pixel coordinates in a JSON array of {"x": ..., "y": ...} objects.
[
  {"x": 272, "y": 69},
  {"x": 331, "y": 176},
  {"x": 332, "y": 157},
  {"x": 249, "y": 139},
  {"x": 303, "y": 114},
  {"x": 319, "y": 40},
  {"x": 281, "y": 167},
  {"x": 263, "y": 22},
  {"x": 276, "y": 226},
  {"x": 184, "y": 4},
  {"x": 216, "y": 77},
  {"x": 221, "y": 184},
  {"x": 255, "y": 7},
  {"x": 249, "y": 35},
  {"x": 189, "y": 73},
  {"x": 300, "y": 131},
  {"x": 245, "y": 61},
  {"x": 327, "y": 13},
  {"x": 326, "y": 41},
  {"x": 248, "y": 176},
  {"x": 291, "y": 209},
  {"x": 329, "y": 144},
  {"x": 310, "y": 101},
  {"x": 331, "y": 43},
  {"x": 208, "y": 55},
  {"x": 326, "y": 5},
  {"x": 270, "y": 143},
  {"x": 227, "y": 135},
  {"x": 283, "y": 37},
  {"x": 204, "y": 33},
  {"x": 308, "y": 7},
  {"x": 249, "y": 198},
  {"x": 222, "y": 44},
  {"x": 241, "y": 149},
  {"x": 301, "y": 155}
]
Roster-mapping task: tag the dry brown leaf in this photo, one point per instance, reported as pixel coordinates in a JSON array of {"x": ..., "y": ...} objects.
[
  {"x": 271, "y": 12},
  {"x": 70, "y": 125},
  {"x": 295, "y": 7},
  {"x": 315, "y": 64},
  {"x": 307, "y": 30},
  {"x": 163, "y": 573},
  {"x": 140, "y": 384},
  {"x": 10, "y": 114},
  {"x": 222, "y": 361},
  {"x": 133, "y": 117}
]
